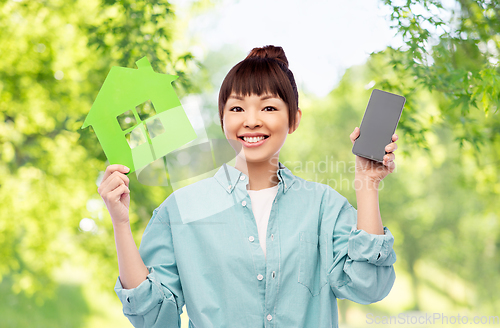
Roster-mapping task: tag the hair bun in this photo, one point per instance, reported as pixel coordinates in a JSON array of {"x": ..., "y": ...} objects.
[{"x": 269, "y": 52}]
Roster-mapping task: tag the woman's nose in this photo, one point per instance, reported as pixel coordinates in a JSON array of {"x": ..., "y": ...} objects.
[{"x": 252, "y": 119}]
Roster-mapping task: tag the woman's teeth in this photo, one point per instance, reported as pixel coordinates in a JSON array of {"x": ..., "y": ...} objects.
[{"x": 253, "y": 139}]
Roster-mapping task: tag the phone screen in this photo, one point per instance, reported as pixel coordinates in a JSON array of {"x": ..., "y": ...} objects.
[{"x": 378, "y": 125}]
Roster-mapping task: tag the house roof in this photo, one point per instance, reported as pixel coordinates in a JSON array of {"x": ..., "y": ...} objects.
[{"x": 125, "y": 88}]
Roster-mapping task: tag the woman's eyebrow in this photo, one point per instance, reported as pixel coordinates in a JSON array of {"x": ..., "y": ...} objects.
[{"x": 265, "y": 97}]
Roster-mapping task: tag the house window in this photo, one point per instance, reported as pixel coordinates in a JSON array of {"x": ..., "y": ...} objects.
[
  {"x": 126, "y": 120},
  {"x": 137, "y": 130},
  {"x": 155, "y": 128},
  {"x": 145, "y": 110},
  {"x": 135, "y": 137}
]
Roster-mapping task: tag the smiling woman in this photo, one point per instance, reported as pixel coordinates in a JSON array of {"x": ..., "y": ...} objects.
[
  {"x": 264, "y": 71},
  {"x": 254, "y": 245},
  {"x": 259, "y": 125},
  {"x": 258, "y": 107}
]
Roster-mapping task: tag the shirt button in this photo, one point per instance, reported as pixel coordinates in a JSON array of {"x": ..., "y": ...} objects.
[
  {"x": 229, "y": 187},
  {"x": 244, "y": 203},
  {"x": 272, "y": 236},
  {"x": 242, "y": 177},
  {"x": 274, "y": 274},
  {"x": 251, "y": 238},
  {"x": 260, "y": 277},
  {"x": 269, "y": 317}
]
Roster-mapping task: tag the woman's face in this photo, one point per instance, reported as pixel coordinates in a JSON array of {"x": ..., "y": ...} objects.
[{"x": 265, "y": 118}]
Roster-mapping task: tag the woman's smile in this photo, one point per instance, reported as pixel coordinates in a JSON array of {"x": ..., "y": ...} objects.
[{"x": 251, "y": 142}]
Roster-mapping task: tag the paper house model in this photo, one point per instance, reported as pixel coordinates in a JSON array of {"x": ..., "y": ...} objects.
[{"x": 138, "y": 117}]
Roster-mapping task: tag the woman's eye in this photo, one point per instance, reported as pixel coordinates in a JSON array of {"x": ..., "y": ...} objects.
[{"x": 237, "y": 109}]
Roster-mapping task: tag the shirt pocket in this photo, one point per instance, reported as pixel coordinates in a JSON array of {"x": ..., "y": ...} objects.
[{"x": 312, "y": 261}]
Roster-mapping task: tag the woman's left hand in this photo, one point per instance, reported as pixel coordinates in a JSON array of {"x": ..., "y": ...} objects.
[{"x": 366, "y": 168}]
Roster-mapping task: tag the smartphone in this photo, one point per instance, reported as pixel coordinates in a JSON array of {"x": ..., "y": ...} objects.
[{"x": 378, "y": 125}]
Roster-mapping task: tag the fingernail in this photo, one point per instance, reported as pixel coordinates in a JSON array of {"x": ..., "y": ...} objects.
[{"x": 126, "y": 168}]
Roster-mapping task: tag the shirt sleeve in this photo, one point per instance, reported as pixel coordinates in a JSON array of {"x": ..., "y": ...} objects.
[
  {"x": 362, "y": 269},
  {"x": 158, "y": 300}
]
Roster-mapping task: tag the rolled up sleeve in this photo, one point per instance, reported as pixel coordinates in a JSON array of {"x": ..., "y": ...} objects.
[
  {"x": 371, "y": 248},
  {"x": 362, "y": 269},
  {"x": 158, "y": 300}
]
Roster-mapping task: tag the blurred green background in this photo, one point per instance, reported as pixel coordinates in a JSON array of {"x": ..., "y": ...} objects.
[{"x": 58, "y": 261}]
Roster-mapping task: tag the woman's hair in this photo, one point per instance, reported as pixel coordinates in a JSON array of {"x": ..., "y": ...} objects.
[{"x": 264, "y": 70}]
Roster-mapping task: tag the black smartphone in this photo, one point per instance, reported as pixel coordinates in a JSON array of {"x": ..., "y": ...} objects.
[{"x": 378, "y": 125}]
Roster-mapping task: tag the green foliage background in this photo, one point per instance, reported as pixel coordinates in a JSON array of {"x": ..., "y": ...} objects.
[{"x": 441, "y": 203}]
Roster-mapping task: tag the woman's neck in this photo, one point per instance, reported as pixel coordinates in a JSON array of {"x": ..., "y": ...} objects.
[{"x": 261, "y": 175}]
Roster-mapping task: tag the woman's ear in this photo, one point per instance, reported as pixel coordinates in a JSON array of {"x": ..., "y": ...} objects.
[{"x": 298, "y": 116}]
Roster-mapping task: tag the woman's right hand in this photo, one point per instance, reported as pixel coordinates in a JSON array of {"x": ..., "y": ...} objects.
[{"x": 115, "y": 193}]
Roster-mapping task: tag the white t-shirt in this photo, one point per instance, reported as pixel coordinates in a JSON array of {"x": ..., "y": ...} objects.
[{"x": 262, "y": 202}]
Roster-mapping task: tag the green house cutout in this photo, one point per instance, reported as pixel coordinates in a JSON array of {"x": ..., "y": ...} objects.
[{"x": 137, "y": 116}]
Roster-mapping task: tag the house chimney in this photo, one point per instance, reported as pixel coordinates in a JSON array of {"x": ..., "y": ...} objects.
[{"x": 144, "y": 63}]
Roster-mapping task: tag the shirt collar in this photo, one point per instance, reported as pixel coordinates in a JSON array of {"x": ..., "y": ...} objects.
[{"x": 228, "y": 176}]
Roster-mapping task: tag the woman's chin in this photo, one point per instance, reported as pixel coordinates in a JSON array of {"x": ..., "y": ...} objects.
[{"x": 252, "y": 158}]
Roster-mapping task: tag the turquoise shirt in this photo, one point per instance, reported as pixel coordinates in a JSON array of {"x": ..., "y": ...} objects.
[{"x": 201, "y": 248}]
